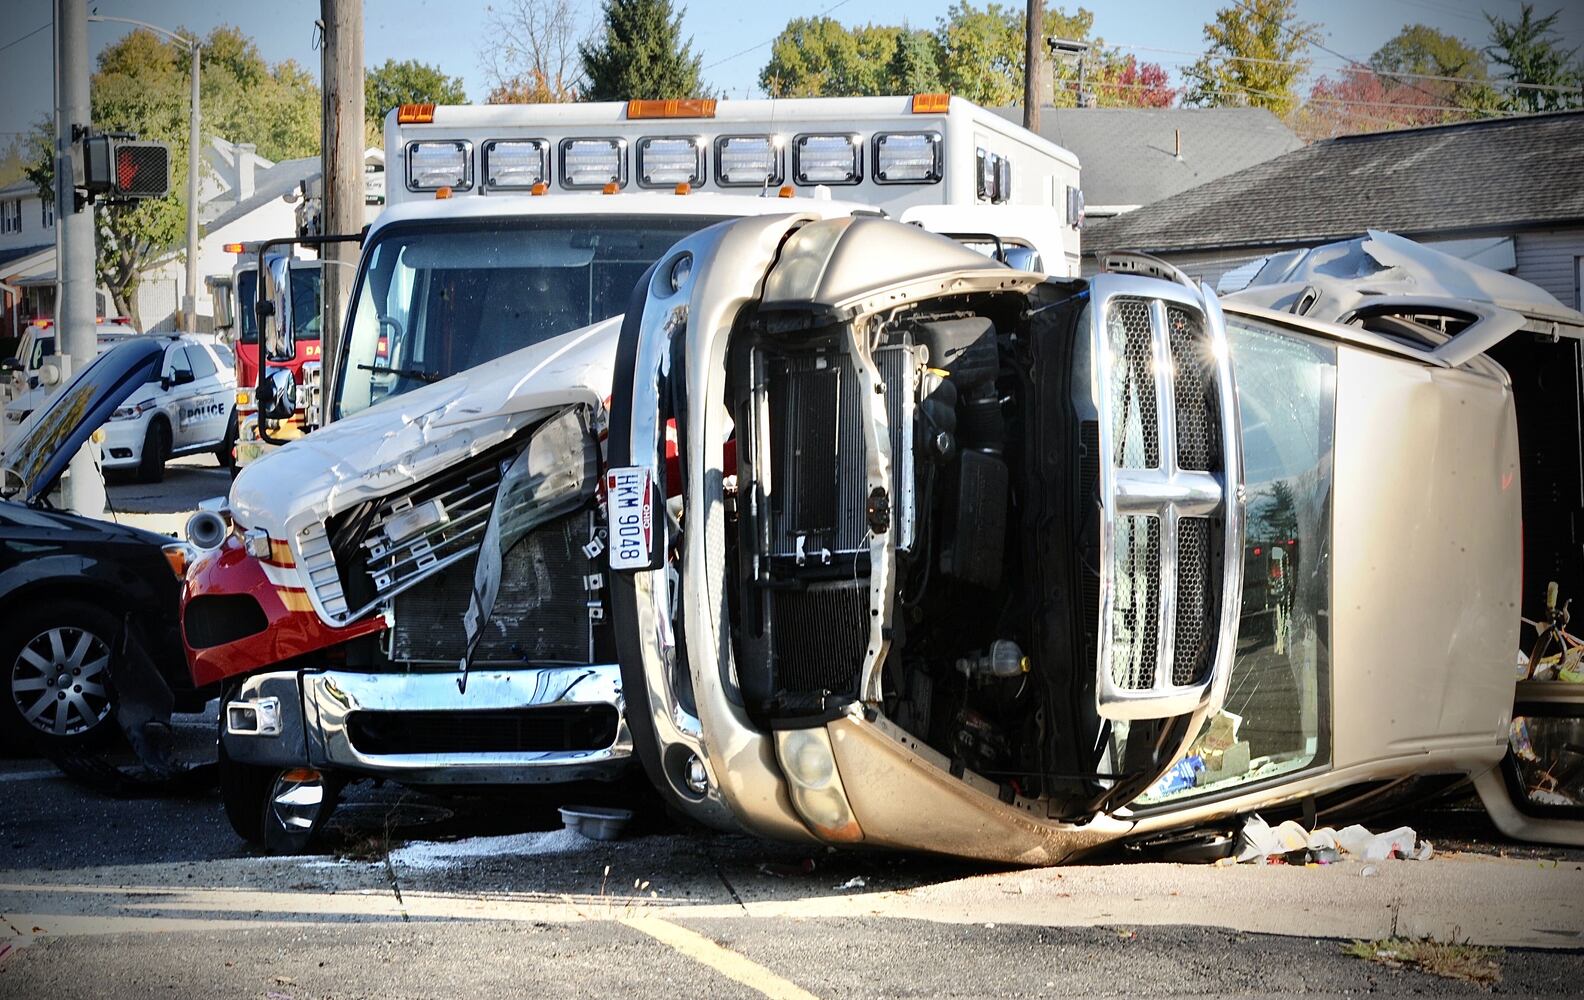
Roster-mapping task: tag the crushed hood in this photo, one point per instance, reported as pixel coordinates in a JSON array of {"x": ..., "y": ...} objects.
[
  {"x": 1380, "y": 264},
  {"x": 408, "y": 438}
]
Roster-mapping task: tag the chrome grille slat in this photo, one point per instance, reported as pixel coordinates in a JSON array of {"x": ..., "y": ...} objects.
[{"x": 465, "y": 495}]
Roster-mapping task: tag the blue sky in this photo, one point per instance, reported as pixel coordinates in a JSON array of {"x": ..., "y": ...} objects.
[{"x": 450, "y": 34}]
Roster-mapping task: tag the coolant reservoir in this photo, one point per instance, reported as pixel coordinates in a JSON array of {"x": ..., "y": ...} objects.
[{"x": 1003, "y": 659}]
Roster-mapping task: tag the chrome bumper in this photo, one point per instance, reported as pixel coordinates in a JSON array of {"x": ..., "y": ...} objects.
[{"x": 292, "y": 718}]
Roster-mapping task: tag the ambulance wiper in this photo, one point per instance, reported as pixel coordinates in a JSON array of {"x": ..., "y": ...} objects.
[{"x": 417, "y": 373}]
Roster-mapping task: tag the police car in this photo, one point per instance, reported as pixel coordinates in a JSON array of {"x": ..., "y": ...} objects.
[{"x": 187, "y": 410}]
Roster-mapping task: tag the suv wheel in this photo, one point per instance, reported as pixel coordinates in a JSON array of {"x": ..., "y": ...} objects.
[
  {"x": 156, "y": 448},
  {"x": 55, "y": 670}
]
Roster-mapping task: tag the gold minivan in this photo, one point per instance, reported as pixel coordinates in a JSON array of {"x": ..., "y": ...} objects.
[{"x": 913, "y": 549}]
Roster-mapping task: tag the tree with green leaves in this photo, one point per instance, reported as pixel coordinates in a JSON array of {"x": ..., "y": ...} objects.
[
  {"x": 915, "y": 66},
  {"x": 141, "y": 85},
  {"x": 640, "y": 54},
  {"x": 982, "y": 53},
  {"x": 407, "y": 82},
  {"x": 819, "y": 57},
  {"x": 1256, "y": 53},
  {"x": 1531, "y": 51}
]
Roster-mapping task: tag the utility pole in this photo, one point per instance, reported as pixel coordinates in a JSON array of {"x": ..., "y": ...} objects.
[
  {"x": 75, "y": 310},
  {"x": 1033, "y": 53},
  {"x": 194, "y": 158},
  {"x": 341, "y": 159}
]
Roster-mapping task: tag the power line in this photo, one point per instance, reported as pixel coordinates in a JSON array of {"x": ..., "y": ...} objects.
[
  {"x": 19, "y": 41},
  {"x": 768, "y": 41},
  {"x": 1296, "y": 36}
]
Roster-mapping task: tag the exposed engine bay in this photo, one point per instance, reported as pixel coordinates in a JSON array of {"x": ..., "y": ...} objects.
[{"x": 993, "y": 472}]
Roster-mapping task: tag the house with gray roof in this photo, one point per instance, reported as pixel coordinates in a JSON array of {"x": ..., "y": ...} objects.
[
  {"x": 1505, "y": 192},
  {"x": 1130, "y": 157}
]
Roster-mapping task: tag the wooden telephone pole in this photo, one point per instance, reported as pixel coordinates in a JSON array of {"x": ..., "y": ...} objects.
[
  {"x": 341, "y": 159},
  {"x": 1033, "y": 56}
]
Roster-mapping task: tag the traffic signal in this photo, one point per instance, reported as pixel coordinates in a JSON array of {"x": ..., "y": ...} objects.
[{"x": 125, "y": 168}]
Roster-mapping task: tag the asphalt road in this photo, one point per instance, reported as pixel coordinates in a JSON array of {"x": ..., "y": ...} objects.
[
  {"x": 475, "y": 896},
  {"x": 483, "y": 895},
  {"x": 165, "y": 506}
]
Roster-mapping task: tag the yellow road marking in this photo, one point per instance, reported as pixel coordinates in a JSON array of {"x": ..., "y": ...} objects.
[{"x": 723, "y": 960}]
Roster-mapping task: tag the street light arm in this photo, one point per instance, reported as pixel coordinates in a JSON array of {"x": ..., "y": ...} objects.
[{"x": 192, "y": 42}]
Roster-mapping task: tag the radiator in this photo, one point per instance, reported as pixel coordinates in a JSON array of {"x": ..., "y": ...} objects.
[{"x": 818, "y": 486}]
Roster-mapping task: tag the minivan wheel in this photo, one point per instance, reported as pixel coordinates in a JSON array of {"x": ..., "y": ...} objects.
[
  {"x": 156, "y": 448},
  {"x": 279, "y": 809},
  {"x": 55, "y": 671}
]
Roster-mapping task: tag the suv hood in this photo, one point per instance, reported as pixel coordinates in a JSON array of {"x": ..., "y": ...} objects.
[
  {"x": 39, "y": 451},
  {"x": 408, "y": 438}
]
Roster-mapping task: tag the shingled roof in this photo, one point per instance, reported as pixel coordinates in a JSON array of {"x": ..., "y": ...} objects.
[
  {"x": 1503, "y": 173},
  {"x": 1129, "y": 155}
]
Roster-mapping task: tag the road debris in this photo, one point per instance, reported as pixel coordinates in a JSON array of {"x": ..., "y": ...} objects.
[{"x": 1290, "y": 843}]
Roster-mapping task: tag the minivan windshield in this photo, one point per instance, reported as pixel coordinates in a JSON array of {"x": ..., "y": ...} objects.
[{"x": 436, "y": 300}]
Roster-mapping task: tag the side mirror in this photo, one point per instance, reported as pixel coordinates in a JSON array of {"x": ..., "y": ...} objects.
[
  {"x": 277, "y": 394},
  {"x": 10, "y": 365},
  {"x": 181, "y": 376},
  {"x": 274, "y": 310}
]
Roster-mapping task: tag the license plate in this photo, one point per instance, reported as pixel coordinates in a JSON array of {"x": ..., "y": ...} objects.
[{"x": 629, "y": 495}]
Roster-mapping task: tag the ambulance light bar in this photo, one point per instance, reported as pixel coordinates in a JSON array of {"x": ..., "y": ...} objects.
[
  {"x": 664, "y": 161},
  {"x": 749, "y": 160},
  {"x": 436, "y": 164},
  {"x": 907, "y": 157},
  {"x": 828, "y": 158},
  {"x": 593, "y": 163},
  {"x": 694, "y": 107},
  {"x": 515, "y": 164}
]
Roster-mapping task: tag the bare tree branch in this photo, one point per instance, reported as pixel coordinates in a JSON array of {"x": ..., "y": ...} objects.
[{"x": 532, "y": 50}]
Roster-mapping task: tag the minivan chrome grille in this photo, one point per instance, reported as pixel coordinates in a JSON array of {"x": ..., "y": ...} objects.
[{"x": 1172, "y": 525}]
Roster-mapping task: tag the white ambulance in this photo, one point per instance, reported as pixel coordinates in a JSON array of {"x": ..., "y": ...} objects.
[{"x": 414, "y": 591}]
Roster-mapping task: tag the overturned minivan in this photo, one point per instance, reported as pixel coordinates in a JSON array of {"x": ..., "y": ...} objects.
[{"x": 977, "y": 561}]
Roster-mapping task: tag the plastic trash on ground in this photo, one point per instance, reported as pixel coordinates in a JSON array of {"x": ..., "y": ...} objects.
[{"x": 1290, "y": 843}]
